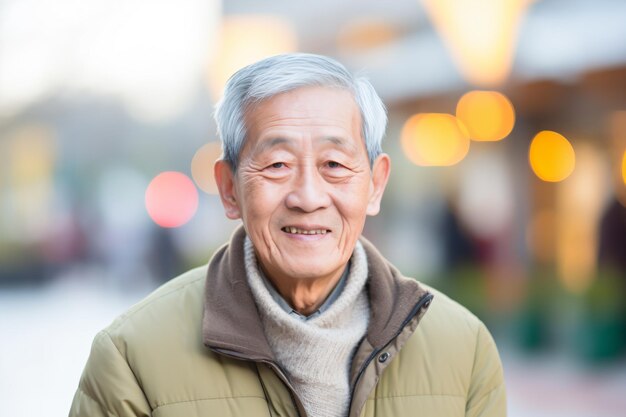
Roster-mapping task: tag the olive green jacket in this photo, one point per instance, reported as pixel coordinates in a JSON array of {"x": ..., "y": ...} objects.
[{"x": 196, "y": 347}]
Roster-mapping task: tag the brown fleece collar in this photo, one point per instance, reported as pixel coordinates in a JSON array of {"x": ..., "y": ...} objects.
[{"x": 231, "y": 321}]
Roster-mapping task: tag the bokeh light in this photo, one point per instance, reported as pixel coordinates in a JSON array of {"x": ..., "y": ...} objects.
[
  {"x": 32, "y": 154},
  {"x": 365, "y": 33},
  {"x": 481, "y": 35},
  {"x": 171, "y": 199},
  {"x": 247, "y": 39},
  {"x": 202, "y": 166},
  {"x": 488, "y": 115},
  {"x": 434, "y": 139},
  {"x": 551, "y": 156},
  {"x": 580, "y": 203},
  {"x": 31, "y": 159},
  {"x": 617, "y": 150},
  {"x": 624, "y": 167}
]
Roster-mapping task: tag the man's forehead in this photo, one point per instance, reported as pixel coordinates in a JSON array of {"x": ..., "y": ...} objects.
[
  {"x": 300, "y": 104},
  {"x": 328, "y": 116}
]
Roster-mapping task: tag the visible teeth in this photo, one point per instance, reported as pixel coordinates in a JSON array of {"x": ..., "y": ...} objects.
[{"x": 296, "y": 231}]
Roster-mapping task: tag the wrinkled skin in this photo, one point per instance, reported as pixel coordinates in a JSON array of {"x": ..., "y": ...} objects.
[{"x": 304, "y": 165}]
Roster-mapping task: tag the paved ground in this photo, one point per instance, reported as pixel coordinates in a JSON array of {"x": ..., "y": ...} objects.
[
  {"x": 554, "y": 386},
  {"x": 45, "y": 337}
]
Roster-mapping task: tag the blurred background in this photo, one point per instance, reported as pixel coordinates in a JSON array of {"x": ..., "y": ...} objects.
[{"x": 507, "y": 132}]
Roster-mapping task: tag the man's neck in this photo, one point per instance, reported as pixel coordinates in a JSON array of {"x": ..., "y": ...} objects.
[{"x": 304, "y": 295}]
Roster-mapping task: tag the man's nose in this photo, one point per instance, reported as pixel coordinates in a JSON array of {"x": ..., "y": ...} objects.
[{"x": 309, "y": 191}]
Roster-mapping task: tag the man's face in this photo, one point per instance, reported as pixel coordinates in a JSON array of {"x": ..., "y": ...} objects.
[{"x": 303, "y": 186}]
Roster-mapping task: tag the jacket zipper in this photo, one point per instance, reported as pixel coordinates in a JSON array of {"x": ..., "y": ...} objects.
[
  {"x": 281, "y": 374},
  {"x": 277, "y": 370},
  {"x": 375, "y": 353}
]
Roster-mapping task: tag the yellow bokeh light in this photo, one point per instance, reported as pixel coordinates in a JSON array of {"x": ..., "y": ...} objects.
[
  {"x": 434, "y": 139},
  {"x": 617, "y": 148},
  {"x": 202, "y": 166},
  {"x": 576, "y": 259},
  {"x": 481, "y": 35},
  {"x": 624, "y": 167},
  {"x": 488, "y": 115},
  {"x": 247, "y": 39},
  {"x": 32, "y": 155},
  {"x": 551, "y": 156},
  {"x": 580, "y": 205}
]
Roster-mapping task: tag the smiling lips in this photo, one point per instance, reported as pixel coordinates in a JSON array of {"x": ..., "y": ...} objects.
[{"x": 300, "y": 231}]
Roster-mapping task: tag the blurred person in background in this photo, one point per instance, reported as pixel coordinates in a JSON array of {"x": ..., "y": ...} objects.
[{"x": 298, "y": 314}]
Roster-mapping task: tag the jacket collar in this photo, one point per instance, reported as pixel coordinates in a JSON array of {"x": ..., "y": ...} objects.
[{"x": 231, "y": 322}]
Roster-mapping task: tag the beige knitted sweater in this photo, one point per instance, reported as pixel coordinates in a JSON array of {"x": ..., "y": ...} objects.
[{"x": 316, "y": 354}]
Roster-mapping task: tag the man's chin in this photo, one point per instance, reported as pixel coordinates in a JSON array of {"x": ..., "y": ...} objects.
[{"x": 305, "y": 270}]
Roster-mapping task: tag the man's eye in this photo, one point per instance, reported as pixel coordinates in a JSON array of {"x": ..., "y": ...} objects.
[
  {"x": 278, "y": 165},
  {"x": 333, "y": 164}
]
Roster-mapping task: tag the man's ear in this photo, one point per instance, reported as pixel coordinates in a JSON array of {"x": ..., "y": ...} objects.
[
  {"x": 380, "y": 176},
  {"x": 225, "y": 180}
]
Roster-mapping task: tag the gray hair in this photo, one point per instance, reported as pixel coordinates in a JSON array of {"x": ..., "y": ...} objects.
[{"x": 282, "y": 73}]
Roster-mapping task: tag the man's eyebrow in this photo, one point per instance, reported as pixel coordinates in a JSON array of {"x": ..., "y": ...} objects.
[{"x": 264, "y": 145}]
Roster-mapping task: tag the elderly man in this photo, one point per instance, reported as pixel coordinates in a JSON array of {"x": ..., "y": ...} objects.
[{"x": 298, "y": 315}]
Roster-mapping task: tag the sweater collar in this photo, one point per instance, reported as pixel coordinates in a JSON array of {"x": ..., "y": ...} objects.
[{"x": 231, "y": 322}]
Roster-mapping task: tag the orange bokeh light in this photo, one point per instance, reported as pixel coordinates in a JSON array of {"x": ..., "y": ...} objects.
[
  {"x": 171, "y": 199},
  {"x": 202, "y": 166},
  {"x": 551, "y": 156},
  {"x": 488, "y": 115},
  {"x": 624, "y": 167},
  {"x": 434, "y": 139}
]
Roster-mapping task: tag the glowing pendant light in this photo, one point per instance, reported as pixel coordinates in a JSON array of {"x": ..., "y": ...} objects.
[{"x": 481, "y": 35}]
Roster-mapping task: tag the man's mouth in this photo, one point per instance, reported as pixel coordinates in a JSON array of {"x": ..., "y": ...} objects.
[{"x": 299, "y": 231}]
